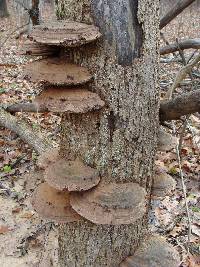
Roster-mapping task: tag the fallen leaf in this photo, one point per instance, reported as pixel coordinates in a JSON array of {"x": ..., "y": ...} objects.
[{"x": 4, "y": 229}]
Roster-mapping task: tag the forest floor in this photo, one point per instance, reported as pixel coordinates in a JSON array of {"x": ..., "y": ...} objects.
[{"x": 28, "y": 241}]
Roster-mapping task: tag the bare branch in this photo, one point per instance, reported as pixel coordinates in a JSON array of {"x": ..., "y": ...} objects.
[
  {"x": 174, "y": 11},
  {"x": 186, "y": 44},
  {"x": 24, "y": 131},
  {"x": 26, "y": 107},
  {"x": 182, "y": 105},
  {"x": 181, "y": 75}
]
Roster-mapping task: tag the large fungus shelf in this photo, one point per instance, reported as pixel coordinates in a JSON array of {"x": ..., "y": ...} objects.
[
  {"x": 53, "y": 204},
  {"x": 154, "y": 252},
  {"x": 71, "y": 100},
  {"x": 64, "y": 33},
  {"x": 56, "y": 71},
  {"x": 112, "y": 204},
  {"x": 71, "y": 175}
]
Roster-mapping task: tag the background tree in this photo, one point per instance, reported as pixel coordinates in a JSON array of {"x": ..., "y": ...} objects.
[
  {"x": 121, "y": 140},
  {"x": 3, "y": 8}
]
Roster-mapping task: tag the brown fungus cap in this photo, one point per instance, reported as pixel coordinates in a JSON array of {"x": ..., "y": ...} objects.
[
  {"x": 111, "y": 204},
  {"x": 154, "y": 252},
  {"x": 56, "y": 71},
  {"x": 64, "y": 33},
  {"x": 71, "y": 175},
  {"x": 34, "y": 49},
  {"x": 53, "y": 204},
  {"x": 48, "y": 157},
  {"x": 163, "y": 184},
  {"x": 166, "y": 141},
  {"x": 71, "y": 100}
]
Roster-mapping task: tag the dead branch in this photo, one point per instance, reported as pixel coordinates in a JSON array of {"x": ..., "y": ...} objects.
[
  {"x": 24, "y": 131},
  {"x": 26, "y": 107},
  {"x": 186, "y": 44},
  {"x": 174, "y": 11},
  {"x": 182, "y": 105},
  {"x": 181, "y": 75}
]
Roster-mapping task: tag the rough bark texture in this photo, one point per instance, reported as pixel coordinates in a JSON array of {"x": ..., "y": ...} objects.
[
  {"x": 120, "y": 140},
  {"x": 3, "y": 8}
]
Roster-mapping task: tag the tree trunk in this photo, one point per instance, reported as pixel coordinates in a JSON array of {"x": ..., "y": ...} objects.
[
  {"x": 35, "y": 12},
  {"x": 3, "y": 8},
  {"x": 120, "y": 141}
]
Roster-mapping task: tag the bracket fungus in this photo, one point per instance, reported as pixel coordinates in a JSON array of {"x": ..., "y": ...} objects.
[
  {"x": 53, "y": 204},
  {"x": 71, "y": 100},
  {"x": 56, "y": 71},
  {"x": 163, "y": 184},
  {"x": 64, "y": 33},
  {"x": 48, "y": 157},
  {"x": 71, "y": 175},
  {"x": 112, "y": 204},
  {"x": 166, "y": 141},
  {"x": 154, "y": 252},
  {"x": 34, "y": 49}
]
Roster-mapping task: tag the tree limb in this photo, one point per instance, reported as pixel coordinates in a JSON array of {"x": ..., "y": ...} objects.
[
  {"x": 26, "y": 107},
  {"x": 186, "y": 44},
  {"x": 24, "y": 131},
  {"x": 182, "y": 105},
  {"x": 181, "y": 75},
  {"x": 174, "y": 11}
]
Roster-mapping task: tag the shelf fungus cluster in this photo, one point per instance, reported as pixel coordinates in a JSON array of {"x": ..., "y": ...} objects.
[
  {"x": 153, "y": 252},
  {"x": 71, "y": 190},
  {"x": 65, "y": 85}
]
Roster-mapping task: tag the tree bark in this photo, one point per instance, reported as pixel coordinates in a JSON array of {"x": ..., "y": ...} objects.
[
  {"x": 35, "y": 12},
  {"x": 120, "y": 141},
  {"x": 182, "y": 105},
  {"x": 174, "y": 12},
  {"x": 3, "y": 8}
]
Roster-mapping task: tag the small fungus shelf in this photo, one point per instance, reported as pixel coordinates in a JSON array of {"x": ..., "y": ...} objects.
[
  {"x": 154, "y": 252},
  {"x": 56, "y": 71},
  {"x": 111, "y": 204},
  {"x": 64, "y": 33},
  {"x": 163, "y": 184},
  {"x": 35, "y": 49},
  {"x": 166, "y": 141},
  {"x": 71, "y": 100},
  {"x": 47, "y": 158},
  {"x": 53, "y": 204},
  {"x": 71, "y": 175}
]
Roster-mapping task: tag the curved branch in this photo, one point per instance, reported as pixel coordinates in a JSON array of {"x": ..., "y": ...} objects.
[
  {"x": 186, "y": 44},
  {"x": 25, "y": 132},
  {"x": 182, "y": 105},
  {"x": 174, "y": 11}
]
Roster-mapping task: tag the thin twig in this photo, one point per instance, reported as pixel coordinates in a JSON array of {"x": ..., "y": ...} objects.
[{"x": 184, "y": 189}]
